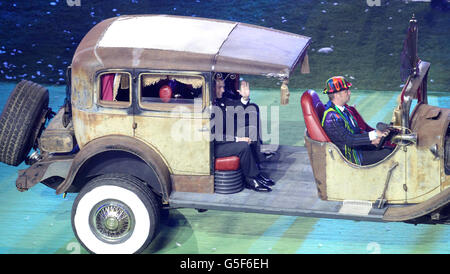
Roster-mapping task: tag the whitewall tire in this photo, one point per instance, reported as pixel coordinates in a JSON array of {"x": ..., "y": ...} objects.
[{"x": 115, "y": 213}]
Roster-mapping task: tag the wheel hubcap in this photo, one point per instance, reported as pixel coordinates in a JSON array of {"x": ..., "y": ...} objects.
[{"x": 112, "y": 221}]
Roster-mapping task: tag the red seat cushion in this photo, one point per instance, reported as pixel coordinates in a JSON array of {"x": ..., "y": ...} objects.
[
  {"x": 313, "y": 110},
  {"x": 227, "y": 163}
]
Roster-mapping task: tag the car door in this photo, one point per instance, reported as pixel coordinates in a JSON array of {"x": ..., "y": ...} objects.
[
  {"x": 110, "y": 112},
  {"x": 172, "y": 117}
]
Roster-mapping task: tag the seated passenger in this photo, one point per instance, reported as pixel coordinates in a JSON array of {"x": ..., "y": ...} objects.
[
  {"x": 232, "y": 91},
  {"x": 228, "y": 143},
  {"x": 358, "y": 146}
]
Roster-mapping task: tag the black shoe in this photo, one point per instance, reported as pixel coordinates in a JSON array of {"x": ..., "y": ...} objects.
[
  {"x": 265, "y": 156},
  {"x": 266, "y": 180},
  {"x": 256, "y": 185},
  {"x": 269, "y": 155}
]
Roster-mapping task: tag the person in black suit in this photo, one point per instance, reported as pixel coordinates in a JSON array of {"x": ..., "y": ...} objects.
[
  {"x": 233, "y": 138},
  {"x": 232, "y": 84}
]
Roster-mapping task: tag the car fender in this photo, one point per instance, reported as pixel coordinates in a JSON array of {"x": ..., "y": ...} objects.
[{"x": 132, "y": 151}]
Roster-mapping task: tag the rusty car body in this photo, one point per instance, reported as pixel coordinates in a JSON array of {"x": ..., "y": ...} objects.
[{"x": 109, "y": 125}]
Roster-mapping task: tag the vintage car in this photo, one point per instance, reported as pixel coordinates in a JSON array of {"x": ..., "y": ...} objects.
[
  {"x": 134, "y": 135},
  {"x": 414, "y": 179}
]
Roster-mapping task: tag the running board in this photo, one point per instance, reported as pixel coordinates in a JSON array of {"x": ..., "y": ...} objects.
[{"x": 270, "y": 203}]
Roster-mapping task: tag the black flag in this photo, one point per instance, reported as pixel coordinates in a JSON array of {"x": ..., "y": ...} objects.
[{"x": 409, "y": 53}]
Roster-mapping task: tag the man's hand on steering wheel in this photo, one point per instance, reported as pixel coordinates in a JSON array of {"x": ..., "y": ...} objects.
[{"x": 381, "y": 138}]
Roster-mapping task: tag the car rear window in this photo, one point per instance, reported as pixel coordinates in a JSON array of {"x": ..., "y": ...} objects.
[
  {"x": 166, "y": 91},
  {"x": 114, "y": 89}
]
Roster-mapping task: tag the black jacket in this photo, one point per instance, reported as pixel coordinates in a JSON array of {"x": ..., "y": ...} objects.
[{"x": 227, "y": 112}]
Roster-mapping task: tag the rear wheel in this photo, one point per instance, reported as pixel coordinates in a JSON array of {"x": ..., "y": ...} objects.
[
  {"x": 21, "y": 121},
  {"x": 115, "y": 213}
]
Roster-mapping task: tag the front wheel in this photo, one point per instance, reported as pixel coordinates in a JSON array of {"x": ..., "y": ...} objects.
[{"x": 115, "y": 213}]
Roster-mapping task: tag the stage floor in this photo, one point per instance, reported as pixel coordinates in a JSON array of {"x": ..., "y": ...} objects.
[{"x": 38, "y": 220}]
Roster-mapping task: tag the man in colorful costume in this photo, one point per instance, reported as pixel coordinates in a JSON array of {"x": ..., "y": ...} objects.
[{"x": 341, "y": 126}]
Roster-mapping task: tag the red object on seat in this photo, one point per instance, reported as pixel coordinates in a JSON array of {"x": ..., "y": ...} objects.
[
  {"x": 227, "y": 163},
  {"x": 165, "y": 93},
  {"x": 313, "y": 110}
]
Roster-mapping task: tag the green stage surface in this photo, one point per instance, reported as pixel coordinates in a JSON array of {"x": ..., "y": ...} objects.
[{"x": 38, "y": 221}]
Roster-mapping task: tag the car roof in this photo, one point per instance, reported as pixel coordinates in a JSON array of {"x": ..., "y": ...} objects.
[{"x": 168, "y": 42}]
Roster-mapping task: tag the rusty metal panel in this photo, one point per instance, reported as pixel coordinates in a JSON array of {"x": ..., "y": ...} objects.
[
  {"x": 57, "y": 142},
  {"x": 347, "y": 181},
  {"x": 92, "y": 125},
  {"x": 56, "y": 138},
  {"x": 431, "y": 124},
  {"x": 414, "y": 180},
  {"x": 423, "y": 174},
  {"x": 85, "y": 63},
  {"x": 436, "y": 202},
  {"x": 184, "y": 141},
  {"x": 316, "y": 153},
  {"x": 120, "y": 143},
  {"x": 198, "y": 184},
  {"x": 29, "y": 177},
  {"x": 44, "y": 169},
  {"x": 445, "y": 181}
]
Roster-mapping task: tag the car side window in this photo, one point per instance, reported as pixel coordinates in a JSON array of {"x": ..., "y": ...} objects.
[
  {"x": 114, "y": 88},
  {"x": 165, "y": 91}
]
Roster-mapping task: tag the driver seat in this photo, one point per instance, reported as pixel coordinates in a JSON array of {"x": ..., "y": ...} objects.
[{"x": 313, "y": 110}]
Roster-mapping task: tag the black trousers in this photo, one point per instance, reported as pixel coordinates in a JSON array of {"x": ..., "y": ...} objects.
[
  {"x": 244, "y": 151},
  {"x": 371, "y": 155},
  {"x": 249, "y": 154}
]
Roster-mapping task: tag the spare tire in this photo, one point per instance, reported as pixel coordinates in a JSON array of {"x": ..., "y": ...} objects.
[{"x": 21, "y": 121}]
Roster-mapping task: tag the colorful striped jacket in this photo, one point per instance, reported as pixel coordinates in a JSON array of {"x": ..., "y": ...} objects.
[{"x": 344, "y": 132}]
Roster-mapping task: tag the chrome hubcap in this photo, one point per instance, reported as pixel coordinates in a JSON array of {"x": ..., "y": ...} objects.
[{"x": 112, "y": 221}]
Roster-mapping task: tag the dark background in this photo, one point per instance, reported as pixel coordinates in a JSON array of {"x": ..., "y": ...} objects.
[{"x": 38, "y": 38}]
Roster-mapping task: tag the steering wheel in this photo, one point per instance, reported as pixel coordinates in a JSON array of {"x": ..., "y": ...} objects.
[
  {"x": 383, "y": 127},
  {"x": 382, "y": 141}
]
